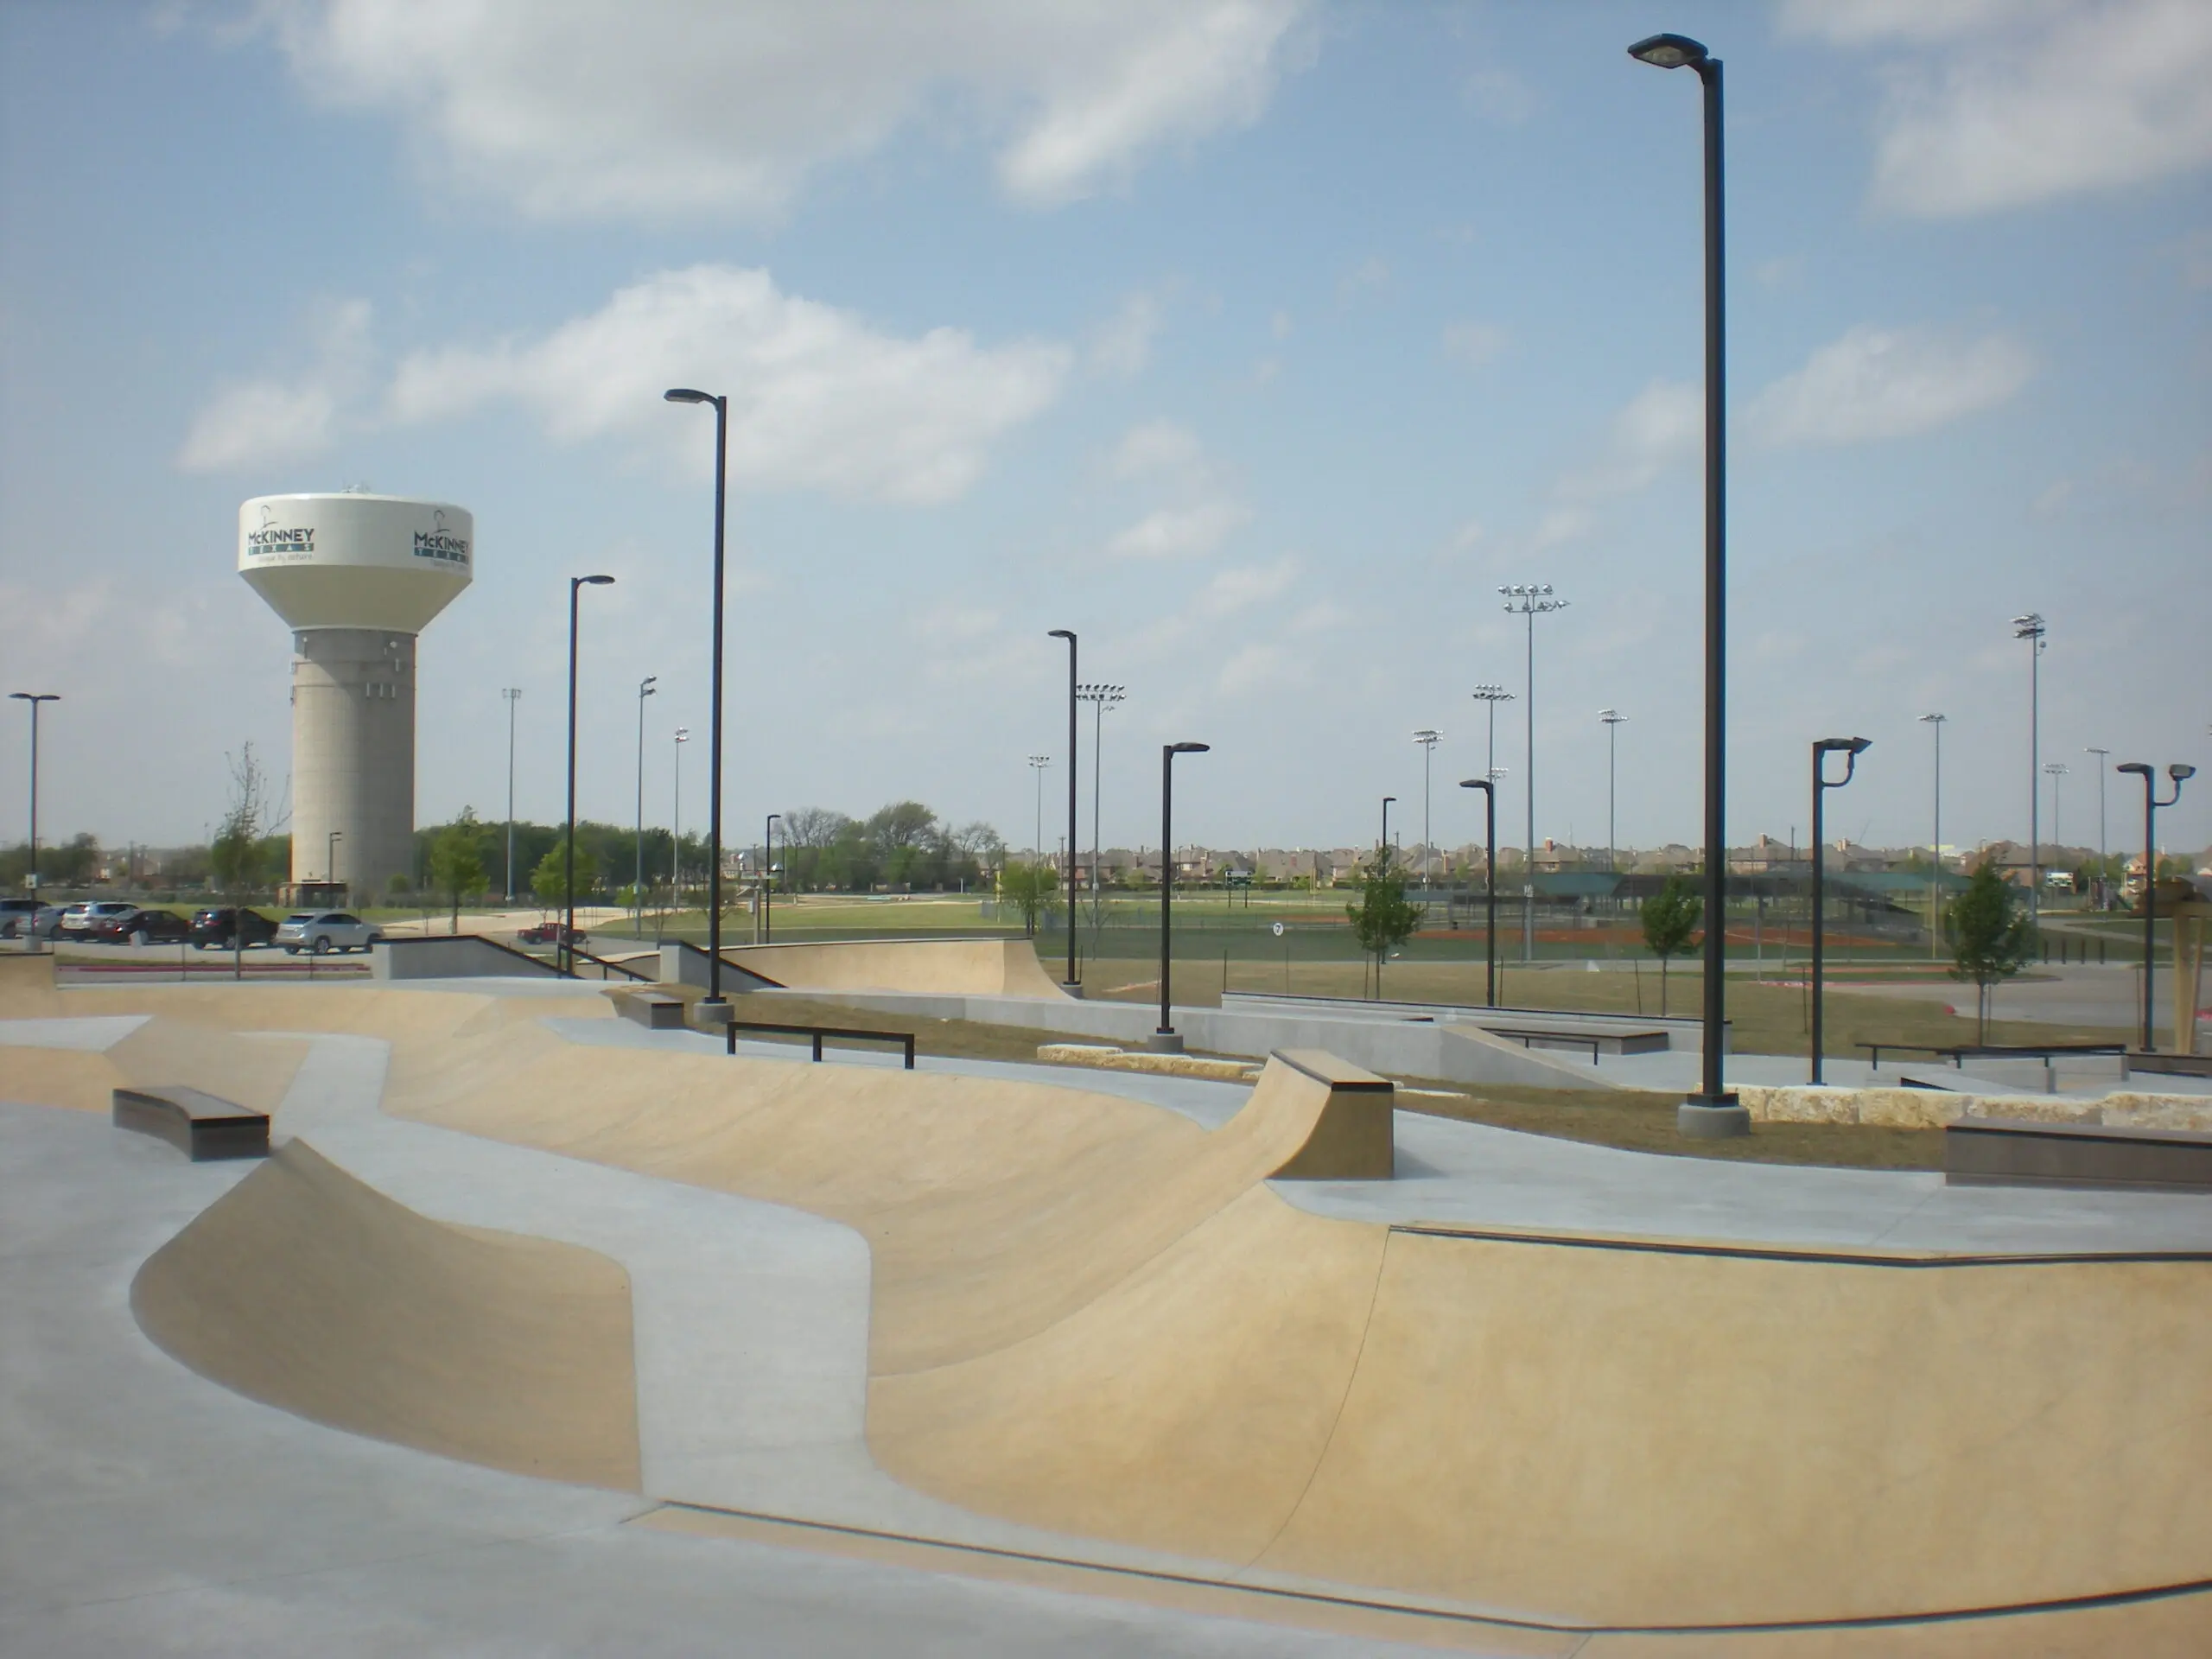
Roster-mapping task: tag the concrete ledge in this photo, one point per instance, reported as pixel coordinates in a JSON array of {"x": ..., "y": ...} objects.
[
  {"x": 1102, "y": 1058},
  {"x": 1998, "y": 1151},
  {"x": 1928, "y": 1108},
  {"x": 200, "y": 1126},
  {"x": 655, "y": 1010}
]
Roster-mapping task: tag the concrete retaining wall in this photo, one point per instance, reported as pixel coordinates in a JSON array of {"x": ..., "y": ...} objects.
[{"x": 463, "y": 956}]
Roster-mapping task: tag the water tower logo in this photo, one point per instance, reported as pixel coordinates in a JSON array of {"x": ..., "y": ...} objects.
[
  {"x": 273, "y": 538},
  {"x": 439, "y": 543}
]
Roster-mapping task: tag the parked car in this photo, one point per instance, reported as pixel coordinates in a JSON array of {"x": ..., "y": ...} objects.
[
  {"x": 137, "y": 926},
  {"x": 321, "y": 931},
  {"x": 216, "y": 928},
  {"x": 549, "y": 933},
  {"x": 28, "y": 923},
  {"x": 79, "y": 920}
]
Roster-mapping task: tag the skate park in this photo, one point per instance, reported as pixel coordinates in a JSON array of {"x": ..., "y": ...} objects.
[{"x": 1178, "y": 1338}]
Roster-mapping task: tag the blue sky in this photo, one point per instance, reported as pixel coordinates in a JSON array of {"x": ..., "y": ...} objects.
[{"x": 1260, "y": 342}]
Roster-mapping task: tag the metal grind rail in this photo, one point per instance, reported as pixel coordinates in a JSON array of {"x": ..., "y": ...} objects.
[{"x": 903, "y": 1039}]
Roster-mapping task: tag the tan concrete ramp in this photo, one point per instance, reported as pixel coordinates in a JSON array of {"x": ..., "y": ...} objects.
[
  {"x": 308, "y": 1290},
  {"x": 1352, "y": 1117}
]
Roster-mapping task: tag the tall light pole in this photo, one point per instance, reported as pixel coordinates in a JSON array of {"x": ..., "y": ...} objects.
[
  {"x": 34, "y": 698},
  {"x": 1166, "y": 1040},
  {"x": 1490, "y": 697},
  {"x": 1530, "y": 602},
  {"x": 1935, "y": 724},
  {"x": 1851, "y": 749},
  {"x": 566, "y": 955},
  {"x": 675, "y": 819},
  {"x": 1101, "y": 698},
  {"x": 715, "y": 1007},
  {"x": 1386, "y": 799},
  {"x": 512, "y": 695},
  {"x": 1039, "y": 764},
  {"x": 2102, "y": 755},
  {"x": 638, "y": 881},
  {"x": 1712, "y": 1111},
  {"x": 1426, "y": 738},
  {"x": 768, "y": 876},
  {"x": 1069, "y": 984},
  {"x": 2033, "y": 628},
  {"x": 2180, "y": 774},
  {"x": 1612, "y": 717},
  {"x": 2055, "y": 770},
  {"x": 1489, "y": 788}
]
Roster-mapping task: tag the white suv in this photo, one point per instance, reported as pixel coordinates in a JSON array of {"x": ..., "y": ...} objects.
[
  {"x": 322, "y": 931},
  {"x": 78, "y": 919}
]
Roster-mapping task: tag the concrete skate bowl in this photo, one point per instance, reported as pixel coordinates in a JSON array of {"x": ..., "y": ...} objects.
[
  {"x": 1094, "y": 1318},
  {"x": 305, "y": 1289},
  {"x": 930, "y": 967}
]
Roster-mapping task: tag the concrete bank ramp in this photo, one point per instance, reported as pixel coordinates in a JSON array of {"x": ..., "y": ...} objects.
[
  {"x": 931, "y": 967},
  {"x": 305, "y": 1288}
]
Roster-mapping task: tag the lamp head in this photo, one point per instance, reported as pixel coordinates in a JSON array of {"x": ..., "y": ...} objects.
[
  {"x": 1482, "y": 784},
  {"x": 1187, "y": 748},
  {"x": 1844, "y": 745},
  {"x": 2181, "y": 771},
  {"x": 1061, "y": 634},
  {"x": 1933, "y": 720},
  {"x": 685, "y": 395},
  {"x": 684, "y": 733},
  {"x": 2031, "y": 626},
  {"x": 2137, "y": 767},
  {"x": 1669, "y": 52},
  {"x": 591, "y": 581}
]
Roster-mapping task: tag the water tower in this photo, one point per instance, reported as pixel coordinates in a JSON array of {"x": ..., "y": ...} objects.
[{"x": 357, "y": 577}]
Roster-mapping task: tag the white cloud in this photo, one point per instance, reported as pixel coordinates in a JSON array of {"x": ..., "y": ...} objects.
[
  {"x": 1370, "y": 276},
  {"x": 1181, "y": 533},
  {"x": 1501, "y": 96},
  {"x": 1660, "y": 425},
  {"x": 819, "y": 400},
  {"x": 290, "y": 416},
  {"x": 1244, "y": 586},
  {"x": 1122, "y": 345},
  {"x": 1253, "y": 668},
  {"x": 587, "y": 107},
  {"x": 1474, "y": 343},
  {"x": 2002, "y": 104},
  {"x": 1154, "y": 449},
  {"x": 1875, "y": 383}
]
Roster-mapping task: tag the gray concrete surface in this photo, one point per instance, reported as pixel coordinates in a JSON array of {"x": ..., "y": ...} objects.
[{"x": 146, "y": 1510}]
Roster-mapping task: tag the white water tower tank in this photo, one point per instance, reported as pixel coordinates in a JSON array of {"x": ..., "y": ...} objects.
[{"x": 357, "y": 576}]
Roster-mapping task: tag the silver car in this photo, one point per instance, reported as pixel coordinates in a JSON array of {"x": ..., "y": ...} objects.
[
  {"x": 321, "y": 931},
  {"x": 77, "y": 920}
]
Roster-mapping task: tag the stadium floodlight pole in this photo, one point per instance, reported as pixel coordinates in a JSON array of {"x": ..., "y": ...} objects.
[
  {"x": 1612, "y": 717},
  {"x": 1166, "y": 1040},
  {"x": 1935, "y": 724},
  {"x": 1039, "y": 764},
  {"x": 1851, "y": 749},
  {"x": 1101, "y": 697},
  {"x": 34, "y": 698},
  {"x": 1530, "y": 602},
  {"x": 715, "y": 1002},
  {"x": 565, "y": 955},
  {"x": 2033, "y": 628},
  {"x": 1490, "y": 883},
  {"x": 768, "y": 874},
  {"x": 2055, "y": 770},
  {"x": 2180, "y": 774},
  {"x": 1491, "y": 696},
  {"x": 513, "y": 694},
  {"x": 1426, "y": 738},
  {"x": 1069, "y": 984},
  {"x": 1712, "y": 1111},
  {"x": 638, "y": 880},
  {"x": 2102, "y": 755},
  {"x": 675, "y": 819}
]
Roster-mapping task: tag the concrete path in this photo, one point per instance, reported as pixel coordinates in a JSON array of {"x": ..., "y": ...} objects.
[{"x": 148, "y": 1510}]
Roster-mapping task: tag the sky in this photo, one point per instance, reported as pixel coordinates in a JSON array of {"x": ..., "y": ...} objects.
[{"x": 1258, "y": 341}]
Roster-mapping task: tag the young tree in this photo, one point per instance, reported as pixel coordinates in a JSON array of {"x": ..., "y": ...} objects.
[
  {"x": 457, "y": 861},
  {"x": 1989, "y": 939},
  {"x": 550, "y": 880},
  {"x": 1671, "y": 916},
  {"x": 234, "y": 857},
  {"x": 1382, "y": 919},
  {"x": 1031, "y": 886}
]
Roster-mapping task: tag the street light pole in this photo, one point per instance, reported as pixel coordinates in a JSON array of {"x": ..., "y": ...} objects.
[
  {"x": 1166, "y": 1040},
  {"x": 1712, "y": 1111},
  {"x": 1851, "y": 749},
  {"x": 34, "y": 698},
  {"x": 768, "y": 876},
  {"x": 1426, "y": 738},
  {"x": 513, "y": 694},
  {"x": 2033, "y": 628},
  {"x": 2102, "y": 755},
  {"x": 715, "y": 1005},
  {"x": 1530, "y": 602},
  {"x": 1612, "y": 717},
  {"x": 637, "y": 879},
  {"x": 1069, "y": 984},
  {"x": 1935, "y": 724},
  {"x": 675, "y": 821},
  {"x": 565, "y": 955},
  {"x": 2180, "y": 773},
  {"x": 1489, "y": 884},
  {"x": 1386, "y": 799}
]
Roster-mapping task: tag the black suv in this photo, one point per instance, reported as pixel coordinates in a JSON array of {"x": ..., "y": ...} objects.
[
  {"x": 149, "y": 926},
  {"x": 212, "y": 929}
]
